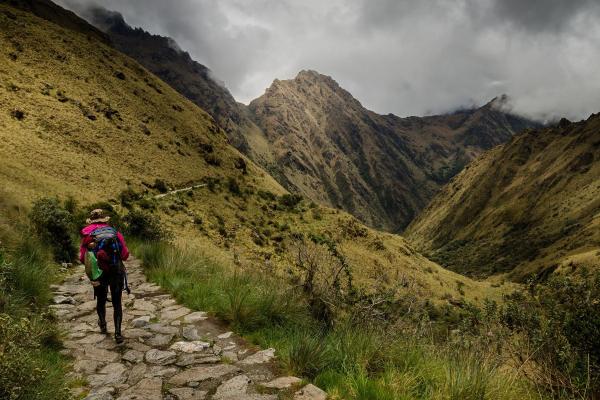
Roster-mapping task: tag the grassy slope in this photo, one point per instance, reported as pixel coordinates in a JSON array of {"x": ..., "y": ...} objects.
[
  {"x": 56, "y": 150},
  {"x": 528, "y": 206},
  {"x": 60, "y": 76},
  {"x": 31, "y": 365}
]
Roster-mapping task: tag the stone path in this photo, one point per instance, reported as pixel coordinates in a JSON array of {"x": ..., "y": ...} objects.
[{"x": 170, "y": 352}]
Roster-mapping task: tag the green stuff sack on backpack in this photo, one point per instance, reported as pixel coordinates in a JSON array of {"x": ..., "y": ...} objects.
[{"x": 91, "y": 266}]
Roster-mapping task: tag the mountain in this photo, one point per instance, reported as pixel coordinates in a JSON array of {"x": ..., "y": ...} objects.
[
  {"x": 317, "y": 140},
  {"x": 163, "y": 57},
  {"x": 528, "y": 207},
  {"x": 381, "y": 168},
  {"x": 83, "y": 120}
]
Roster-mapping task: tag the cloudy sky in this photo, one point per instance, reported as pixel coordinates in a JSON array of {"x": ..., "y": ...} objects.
[{"x": 407, "y": 57}]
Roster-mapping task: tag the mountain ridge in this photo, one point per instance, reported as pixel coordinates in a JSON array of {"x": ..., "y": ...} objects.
[
  {"x": 527, "y": 207},
  {"x": 312, "y": 114}
]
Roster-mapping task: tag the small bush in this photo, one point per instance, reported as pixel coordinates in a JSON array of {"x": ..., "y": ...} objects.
[
  {"x": 161, "y": 186},
  {"x": 54, "y": 226},
  {"x": 144, "y": 226},
  {"x": 234, "y": 187},
  {"x": 29, "y": 369},
  {"x": 128, "y": 197},
  {"x": 290, "y": 201}
]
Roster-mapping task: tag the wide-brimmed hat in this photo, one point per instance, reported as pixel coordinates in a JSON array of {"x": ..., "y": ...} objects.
[{"x": 97, "y": 216}]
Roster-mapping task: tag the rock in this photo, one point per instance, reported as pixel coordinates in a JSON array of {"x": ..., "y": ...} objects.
[
  {"x": 225, "y": 335},
  {"x": 175, "y": 323},
  {"x": 159, "y": 340},
  {"x": 155, "y": 356},
  {"x": 261, "y": 357},
  {"x": 165, "y": 330},
  {"x": 141, "y": 321},
  {"x": 162, "y": 372},
  {"x": 87, "y": 306},
  {"x": 169, "y": 314},
  {"x": 146, "y": 389},
  {"x": 144, "y": 305},
  {"x": 195, "y": 317},
  {"x": 186, "y": 359},
  {"x": 168, "y": 303},
  {"x": 60, "y": 299},
  {"x": 93, "y": 353},
  {"x": 190, "y": 333},
  {"x": 138, "y": 346},
  {"x": 235, "y": 386},
  {"x": 113, "y": 368},
  {"x": 133, "y": 356},
  {"x": 82, "y": 327},
  {"x": 92, "y": 338},
  {"x": 103, "y": 380},
  {"x": 137, "y": 373},
  {"x": 310, "y": 392},
  {"x": 86, "y": 366},
  {"x": 138, "y": 333},
  {"x": 188, "y": 393},
  {"x": 283, "y": 382},
  {"x": 190, "y": 347},
  {"x": 102, "y": 395},
  {"x": 199, "y": 374}
]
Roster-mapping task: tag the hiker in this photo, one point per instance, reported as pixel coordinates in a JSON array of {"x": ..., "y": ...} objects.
[{"x": 103, "y": 251}]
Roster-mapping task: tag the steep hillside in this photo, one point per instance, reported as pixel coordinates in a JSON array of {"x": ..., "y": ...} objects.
[
  {"x": 81, "y": 119},
  {"x": 381, "y": 168},
  {"x": 163, "y": 57},
  {"x": 528, "y": 207}
]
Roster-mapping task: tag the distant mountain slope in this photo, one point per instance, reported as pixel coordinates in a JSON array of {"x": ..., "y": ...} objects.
[
  {"x": 528, "y": 206},
  {"x": 381, "y": 168}
]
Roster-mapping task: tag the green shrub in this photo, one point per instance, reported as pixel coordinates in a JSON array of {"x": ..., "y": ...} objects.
[
  {"x": 30, "y": 370},
  {"x": 129, "y": 196},
  {"x": 54, "y": 226},
  {"x": 161, "y": 186},
  {"x": 144, "y": 226},
  {"x": 558, "y": 322},
  {"x": 290, "y": 201},
  {"x": 234, "y": 187}
]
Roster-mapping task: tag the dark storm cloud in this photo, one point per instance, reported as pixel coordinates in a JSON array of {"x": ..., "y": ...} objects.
[
  {"x": 408, "y": 57},
  {"x": 543, "y": 15}
]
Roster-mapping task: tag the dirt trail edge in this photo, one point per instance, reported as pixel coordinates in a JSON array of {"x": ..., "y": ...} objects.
[{"x": 170, "y": 352}]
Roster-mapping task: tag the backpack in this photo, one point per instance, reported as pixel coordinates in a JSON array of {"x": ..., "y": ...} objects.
[
  {"x": 91, "y": 266},
  {"x": 106, "y": 239}
]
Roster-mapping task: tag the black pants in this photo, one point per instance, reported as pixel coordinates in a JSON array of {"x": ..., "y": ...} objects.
[{"x": 116, "y": 283}]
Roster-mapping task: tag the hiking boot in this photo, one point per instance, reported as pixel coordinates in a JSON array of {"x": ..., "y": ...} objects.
[
  {"x": 102, "y": 325},
  {"x": 119, "y": 338}
]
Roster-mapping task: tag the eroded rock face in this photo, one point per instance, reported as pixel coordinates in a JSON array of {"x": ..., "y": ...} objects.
[{"x": 162, "y": 356}]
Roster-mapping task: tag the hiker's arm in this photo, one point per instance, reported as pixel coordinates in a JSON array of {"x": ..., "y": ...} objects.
[{"x": 124, "y": 249}]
